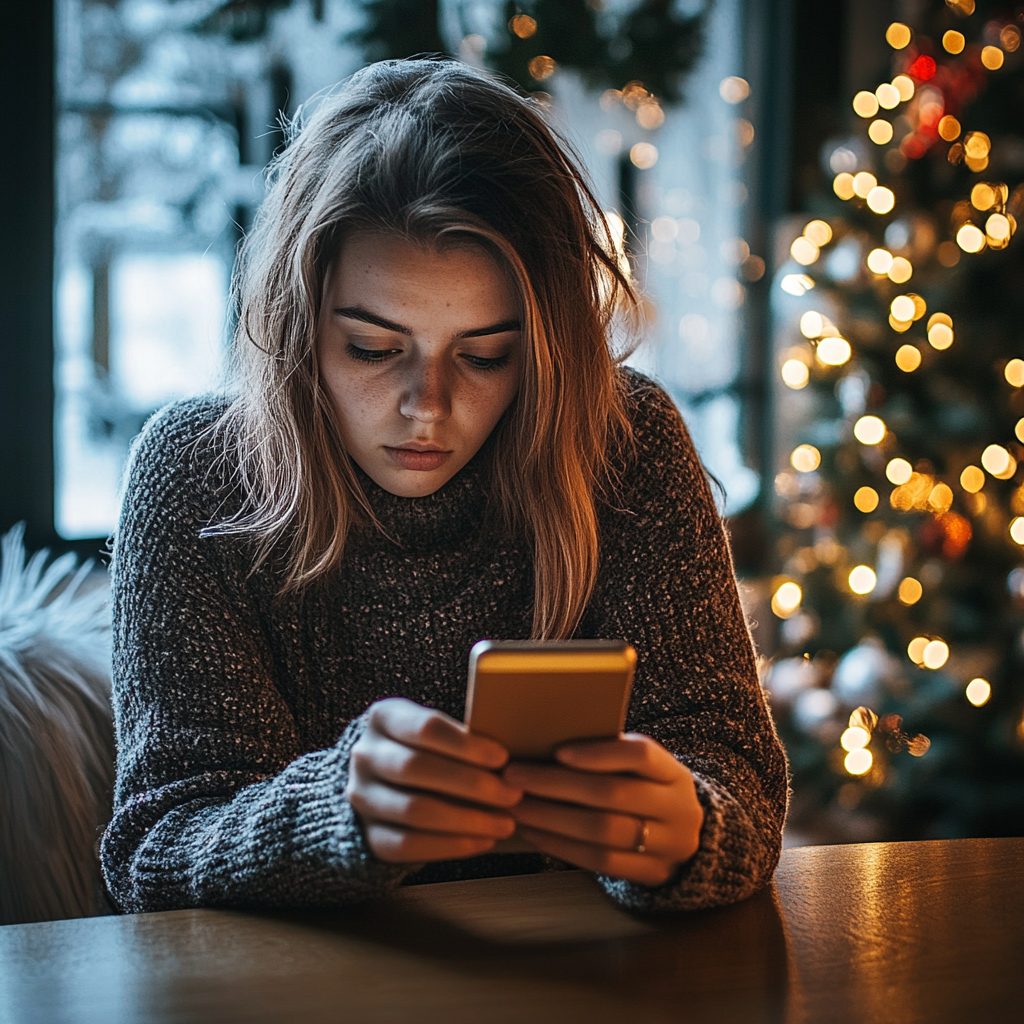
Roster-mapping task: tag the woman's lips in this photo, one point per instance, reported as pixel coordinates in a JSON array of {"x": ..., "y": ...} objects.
[{"x": 412, "y": 458}]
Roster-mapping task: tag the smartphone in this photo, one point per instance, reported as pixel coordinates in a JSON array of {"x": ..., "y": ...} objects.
[{"x": 532, "y": 696}]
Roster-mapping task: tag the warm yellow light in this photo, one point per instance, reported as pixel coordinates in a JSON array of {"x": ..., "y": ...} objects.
[
  {"x": 866, "y": 499},
  {"x": 787, "y": 599},
  {"x": 881, "y": 199},
  {"x": 854, "y": 738},
  {"x": 842, "y": 185},
  {"x": 970, "y": 238},
  {"x": 812, "y": 324},
  {"x": 888, "y": 96},
  {"x": 908, "y": 358},
  {"x": 795, "y": 374},
  {"x": 865, "y": 104},
  {"x": 523, "y": 26},
  {"x": 910, "y": 591},
  {"x": 869, "y": 430},
  {"x": 972, "y": 479},
  {"x": 805, "y": 458},
  {"x": 901, "y": 271},
  {"x": 978, "y": 692},
  {"x": 1010, "y": 38},
  {"x": 650, "y": 115},
  {"x": 897, "y": 35},
  {"x": 834, "y": 351},
  {"x": 935, "y": 654},
  {"x": 983, "y": 196},
  {"x": 734, "y": 89},
  {"x": 879, "y": 261},
  {"x": 992, "y": 57},
  {"x": 920, "y": 306},
  {"x": 940, "y": 337},
  {"x": 977, "y": 145},
  {"x": 818, "y": 232},
  {"x": 1017, "y": 530},
  {"x": 862, "y": 579},
  {"x": 1014, "y": 373},
  {"x": 940, "y": 499},
  {"x": 863, "y": 183},
  {"x": 996, "y": 459},
  {"x": 804, "y": 251},
  {"x": 858, "y": 762},
  {"x": 915, "y": 649},
  {"x": 1019, "y": 430},
  {"x": 903, "y": 308},
  {"x": 997, "y": 227},
  {"x": 796, "y": 284},
  {"x": 898, "y": 471},
  {"x": 880, "y": 132},
  {"x": 905, "y": 86},
  {"x": 542, "y": 67},
  {"x": 900, "y": 326},
  {"x": 949, "y": 128},
  {"x": 953, "y": 41},
  {"x": 644, "y": 155}
]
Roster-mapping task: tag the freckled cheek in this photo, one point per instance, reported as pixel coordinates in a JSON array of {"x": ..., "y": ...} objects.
[{"x": 363, "y": 407}]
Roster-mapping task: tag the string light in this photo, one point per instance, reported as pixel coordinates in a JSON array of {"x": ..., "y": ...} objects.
[
  {"x": 910, "y": 591},
  {"x": 978, "y": 691},
  {"x": 644, "y": 155},
  {"x": 901, "y": 270},
  {"x": 863, "y": 183},
  {"x": 940, "y": 331},
  {"x": 898, "y": 471},
  {"x": 880, "y": 132},
  {"x": 862, "y": 579},
  {"x": 997, "y": 460},
  {"x": 879, "y": 261},
  {"x": 908, "y": 358},
  {"x": 542, "y": 67},
  {"x": 953, "y": 42},
  {"x": 888, "y": 96},
  {"x": 865, "y": 104},
  {"x": 997, "y": 231},
  {"x": 805, "y": 458},
  {"x": 812, "y": 324},
  {"x": 818, "y": 232},
  {"x": 834, "y": 351},
  {"x": 897, "y": 35},
  {"x": 1018, "y": 430},
  {"x": 970, "y": 238},
  {"x": 858, "y": 762},
  {"x": 905, "y": 86},
  {"x": 949, "y": 128},
  {"x": 796, "y": 284},
  {"x": 786, "y": 599},
  {"x": 869, "y": 430},
  {"x": 1010, "y": 38},
  {"x": 842, "y": 185},
  {"x": 935, "y": 654},
  {"x": 983, "y": 196},
  {"x": 1017, "y": 530},
  {"x": 523, "y": 26},
  {"x": 880, "y": 199},
  {"x": 1014, "y": 373},
  {"x": 734, "y": 89},
  {"x": 804, "y": 251},
  {"x": 972, "y": 479},
  {"x": 795, "y": 374},
  {"x": 902, "y": 308},
  {"x": 915, "y": 649},
  {"x": 866, "y": 499},
  {"x": 992, "y": 57}
]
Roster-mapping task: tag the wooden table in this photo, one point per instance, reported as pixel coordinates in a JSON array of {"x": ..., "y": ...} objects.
[{"x": 901, "y": 932}]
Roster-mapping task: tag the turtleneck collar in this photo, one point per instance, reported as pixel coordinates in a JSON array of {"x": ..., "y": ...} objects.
[{"x": 444, "y": 519}]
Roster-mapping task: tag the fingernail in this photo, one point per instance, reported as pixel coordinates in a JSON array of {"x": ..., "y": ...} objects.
[{"x": 506, "y": 826}]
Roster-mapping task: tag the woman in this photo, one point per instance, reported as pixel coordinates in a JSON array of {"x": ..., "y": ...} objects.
[{"x": 429, "y": 444}]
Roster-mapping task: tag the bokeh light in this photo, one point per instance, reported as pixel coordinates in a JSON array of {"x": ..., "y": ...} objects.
[
  {"x": 897, "y": 35},
  {"x": 880, "y": 199},
  {"x": 542, "y": 67},
  {"x": 796, "y": 284},
  {"x": 901, "y": 270},
  {"x": 834, "y": 351},
  {"x": 997, "y": 230},
  {"x": 898, "y": 471},
  {"x": 858, "y": 762},
  {"x": 842, "y": 185},
  {"x": 992, "y": 57},
  {"x": 978, "y": 691},
  {"x": 786, "y": 599},
  {"x": 818, "y": 232},
  {"x": 1018, "y": 430},
  {"x": 862, "y": 579},
  {"x": 795, "y": 374},
  {"x": 880, "y": 132},
  {"x": 522, "y": 25},
  {"x": 863, "y": 183},
  {"x": 949, "y": 128},
  {"x": 902, "y": 308},
  {"x": 972, "y": 479},
  {"x": 910, "y": 591},
  {"x": 970, "y": 238},
  {"x": 804, "y": 251},
  {"x": 1017, "y": 530},
  {"x": 908, "y": 358},
  {"x": 855, "y": 737},
  {"x": 869, "y": 430},
  {"x": 915, "y": 649},
  {"x": 996, "y": 459},
  {"x": 865, "y": 104},
  {"x": 905, "y": 86},
  {"x": 734, "y": 89},
  {"x": 953, "y": 41},
  {"x": 983, "y": 196},
  {"x": 812, "y": 324},
  {"x": 805, "y": 458},
  {"x": 1014, "y": 373},
  {"x": 866, "y": 499},
  {"x": 644, "y": 155},
  {"x": 940, "y": 336},
  {"x": 935, "y": 654},
  {"x": 879, "y": 261},
  {"x": 888, "y": 96},
  {"x": 1009, "y": 36}
]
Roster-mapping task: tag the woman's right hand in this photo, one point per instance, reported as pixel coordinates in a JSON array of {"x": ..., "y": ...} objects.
[{"x": 413, "y": 776}]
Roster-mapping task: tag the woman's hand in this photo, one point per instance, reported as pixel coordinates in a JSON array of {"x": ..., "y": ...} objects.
[
  {"x": 413, "y": 776},
  {"x": 624, "y": 807}
]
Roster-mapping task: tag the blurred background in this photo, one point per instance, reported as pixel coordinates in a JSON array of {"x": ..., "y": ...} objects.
[{"x": 819, "y": 202}]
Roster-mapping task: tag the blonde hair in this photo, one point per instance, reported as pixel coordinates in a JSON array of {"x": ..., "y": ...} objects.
[{"x": 437, "y": 152}]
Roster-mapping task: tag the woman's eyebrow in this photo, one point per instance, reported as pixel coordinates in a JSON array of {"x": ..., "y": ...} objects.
[{"x": 366, "y": 317}]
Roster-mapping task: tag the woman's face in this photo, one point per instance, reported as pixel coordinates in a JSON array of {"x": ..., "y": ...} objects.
[{"x": 420, "y": 351}]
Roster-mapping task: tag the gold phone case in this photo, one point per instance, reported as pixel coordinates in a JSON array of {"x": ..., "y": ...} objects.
[{"x": 533, "y": 696}]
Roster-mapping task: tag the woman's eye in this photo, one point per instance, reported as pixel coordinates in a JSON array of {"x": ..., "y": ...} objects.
[
  {"x": 485, "y": 363},
  {"x": 370, "y": 355}
]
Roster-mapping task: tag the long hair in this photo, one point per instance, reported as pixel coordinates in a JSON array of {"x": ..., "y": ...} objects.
[{"x": 433, "y": 151}]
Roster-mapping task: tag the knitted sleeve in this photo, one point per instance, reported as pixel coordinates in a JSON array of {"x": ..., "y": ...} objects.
[
  {"x": 667, "y": 586},
  {"x": 216, "y": 803}
]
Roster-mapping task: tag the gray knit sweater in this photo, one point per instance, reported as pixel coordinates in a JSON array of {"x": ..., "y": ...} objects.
[{"x": 236, "y": 709}]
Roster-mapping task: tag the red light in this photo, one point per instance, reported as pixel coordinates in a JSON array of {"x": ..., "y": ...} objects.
[
  {"x": 913, "y": 147},
  {"x": 923, "y": 68}
]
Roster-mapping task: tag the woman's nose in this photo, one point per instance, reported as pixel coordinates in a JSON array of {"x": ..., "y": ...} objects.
[{"x": 426, "y": 397}]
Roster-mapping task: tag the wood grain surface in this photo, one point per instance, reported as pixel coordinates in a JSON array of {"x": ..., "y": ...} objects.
[{"x": 903, "y": 932}]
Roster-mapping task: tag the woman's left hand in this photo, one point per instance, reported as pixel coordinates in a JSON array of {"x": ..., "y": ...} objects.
[{"x": 624, "y": 807}]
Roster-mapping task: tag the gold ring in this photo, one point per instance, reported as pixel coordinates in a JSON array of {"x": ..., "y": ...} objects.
[{"x": 641, "y": 846}]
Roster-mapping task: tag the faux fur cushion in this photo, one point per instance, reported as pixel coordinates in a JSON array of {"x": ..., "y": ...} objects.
[{"x": 56, "y": 735}]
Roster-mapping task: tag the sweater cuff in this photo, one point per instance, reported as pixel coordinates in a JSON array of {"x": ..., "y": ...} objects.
[{"x": 732, "y": 862}]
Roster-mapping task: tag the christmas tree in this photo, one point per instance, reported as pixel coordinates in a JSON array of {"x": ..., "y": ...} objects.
[{"x": 898, "y": 684}]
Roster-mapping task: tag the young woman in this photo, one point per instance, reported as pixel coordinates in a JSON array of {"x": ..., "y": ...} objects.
[{"x": 430, "y": 443}]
